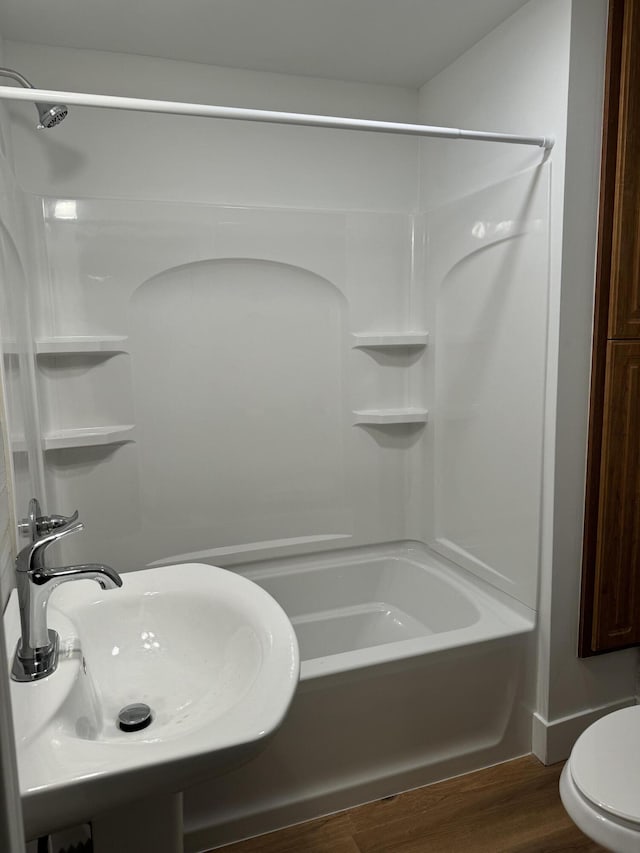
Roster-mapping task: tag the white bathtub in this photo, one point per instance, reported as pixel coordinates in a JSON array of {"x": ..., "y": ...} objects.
[
  {"x": 412, "y": 671},
  {"x": 367, "y": 606}
]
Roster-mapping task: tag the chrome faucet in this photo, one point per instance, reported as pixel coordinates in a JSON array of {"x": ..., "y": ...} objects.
[{"x": 37, "y": 650}]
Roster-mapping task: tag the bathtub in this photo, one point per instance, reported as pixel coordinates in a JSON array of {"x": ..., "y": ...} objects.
[{"x": 413, "y": 670}]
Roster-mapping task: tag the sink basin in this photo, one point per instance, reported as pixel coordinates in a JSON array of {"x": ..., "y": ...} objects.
[{"x": 211, "y": 653}]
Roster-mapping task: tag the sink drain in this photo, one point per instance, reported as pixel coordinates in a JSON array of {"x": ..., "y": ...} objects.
[{"x": 133, "y": 718}]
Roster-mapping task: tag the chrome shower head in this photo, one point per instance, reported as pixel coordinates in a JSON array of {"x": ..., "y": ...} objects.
[{"x": 50, "y": 114}]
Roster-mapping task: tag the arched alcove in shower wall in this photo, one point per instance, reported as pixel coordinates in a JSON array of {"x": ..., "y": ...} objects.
[{"x": 240, "y": 409}]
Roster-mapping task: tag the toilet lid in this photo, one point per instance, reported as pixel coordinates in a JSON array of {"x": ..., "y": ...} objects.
[{"x": 605, "y": 763}]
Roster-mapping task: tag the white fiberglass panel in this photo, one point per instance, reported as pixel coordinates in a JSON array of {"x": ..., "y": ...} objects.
[
  {"x": 210, "y": 347},
  {"x": 488, "y": 269}
]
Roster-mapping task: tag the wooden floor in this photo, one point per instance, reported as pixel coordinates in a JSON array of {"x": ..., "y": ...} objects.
[{"x": 511, "y": 808}]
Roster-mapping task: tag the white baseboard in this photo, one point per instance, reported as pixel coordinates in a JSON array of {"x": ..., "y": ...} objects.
[{"x": 553, "y": 740}]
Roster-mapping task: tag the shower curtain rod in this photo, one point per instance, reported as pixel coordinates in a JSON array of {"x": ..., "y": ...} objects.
[{"x": 114, "y": 102}]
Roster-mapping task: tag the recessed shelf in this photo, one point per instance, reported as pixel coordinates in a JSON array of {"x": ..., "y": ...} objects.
[
  {"x": 87, "y": 436},
  {"x": 71, "y": 344},
  {"x": 61, "y": 439},
  {"x": 378, "y": 417},
  {"x": 390, "y": 341}
]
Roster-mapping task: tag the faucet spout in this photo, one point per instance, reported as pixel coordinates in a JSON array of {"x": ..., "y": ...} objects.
[
  {"x": 105, "y": 576},
  {"x": 37, "y": 651},
  {"x": 35, "y": 588}
]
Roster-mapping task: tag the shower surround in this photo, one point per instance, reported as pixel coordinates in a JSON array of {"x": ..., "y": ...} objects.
[
  {"x": 248, "y": 386},
  {"x": 229, "y": 384}
]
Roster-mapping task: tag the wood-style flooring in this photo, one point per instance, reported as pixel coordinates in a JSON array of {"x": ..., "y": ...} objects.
[{"x": 511, "y": 808}]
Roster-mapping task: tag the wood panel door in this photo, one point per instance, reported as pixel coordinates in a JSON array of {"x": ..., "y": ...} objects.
[
  {"x": 610, "y": 603},
  {"x": 617, "y": 603}
]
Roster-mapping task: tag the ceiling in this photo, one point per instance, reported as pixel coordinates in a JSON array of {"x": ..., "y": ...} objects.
[{"x": 395, "y": 42}]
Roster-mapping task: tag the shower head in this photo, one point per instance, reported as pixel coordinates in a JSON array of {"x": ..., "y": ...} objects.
[{"x": 50, "y": 114}]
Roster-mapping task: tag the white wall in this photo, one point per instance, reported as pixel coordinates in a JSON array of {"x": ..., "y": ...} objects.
[
  {"x": 541, "y": 72},
  {"x": 577, "y": 685},
  {"x": 514, "y": 80},
  {"x": 115, "y": 154}
]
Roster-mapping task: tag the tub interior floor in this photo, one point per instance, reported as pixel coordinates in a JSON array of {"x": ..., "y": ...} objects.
[{"x": 346, "y": 629}]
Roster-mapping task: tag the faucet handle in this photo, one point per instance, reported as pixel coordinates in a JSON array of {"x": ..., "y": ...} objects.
[
  {"x": 36, "y": 525},
  {"x": 49, "y": 523},
  {"x": 31, "y": 557}
]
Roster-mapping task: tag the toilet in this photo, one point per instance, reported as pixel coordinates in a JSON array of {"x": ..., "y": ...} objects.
[{"x": 600, "y": 783}]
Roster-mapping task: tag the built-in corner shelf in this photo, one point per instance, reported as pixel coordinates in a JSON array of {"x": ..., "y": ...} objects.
[
  {"x": 63, "y": 439},
  {"x": 390, "y": 341},
  {"x": 381, "y": 417},
  {"x": 72, "y": 344}
]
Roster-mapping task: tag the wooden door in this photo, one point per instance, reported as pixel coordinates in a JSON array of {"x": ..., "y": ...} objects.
[
  {"x": 610, "y": 606},
  {"x": 616, "y": 605}
]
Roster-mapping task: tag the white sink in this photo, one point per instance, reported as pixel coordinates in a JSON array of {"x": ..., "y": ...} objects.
[{"x": 212, "y": 655}]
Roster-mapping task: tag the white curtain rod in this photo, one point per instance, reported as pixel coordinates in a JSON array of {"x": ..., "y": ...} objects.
[{"x": 113, "y": 102}]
